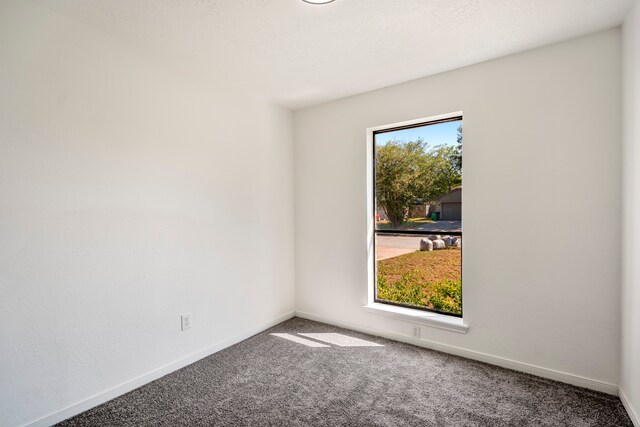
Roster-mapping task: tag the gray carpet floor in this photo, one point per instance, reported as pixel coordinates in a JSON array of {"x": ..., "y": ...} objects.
[{"x": 343, "y": 378}]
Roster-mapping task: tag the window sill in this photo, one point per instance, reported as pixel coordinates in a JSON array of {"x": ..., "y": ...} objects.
[{"x": 436, "y": 320}]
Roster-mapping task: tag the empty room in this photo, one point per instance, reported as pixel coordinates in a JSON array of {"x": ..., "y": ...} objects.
[{"x": 319, "y": 213}]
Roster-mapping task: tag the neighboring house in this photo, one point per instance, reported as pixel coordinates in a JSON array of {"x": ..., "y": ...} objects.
[
  {"x": 418, "y": 210},
  {"x": 451, "y": 205}
]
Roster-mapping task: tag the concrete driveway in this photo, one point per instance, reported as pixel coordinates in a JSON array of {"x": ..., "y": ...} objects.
[{"x": 393, "y": 246}]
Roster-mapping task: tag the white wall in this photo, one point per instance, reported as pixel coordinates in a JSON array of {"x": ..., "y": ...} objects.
[
  {"x": 630, "y": 367},
  {"x": 127, "y": 197},
  {"x": 542, "y": 203}
]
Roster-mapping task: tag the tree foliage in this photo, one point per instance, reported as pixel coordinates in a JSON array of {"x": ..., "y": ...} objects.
[
  {"x": 458, "y": 155},
  {"x": 412, "y": 172},
  {"x": 401, "y": 177}
]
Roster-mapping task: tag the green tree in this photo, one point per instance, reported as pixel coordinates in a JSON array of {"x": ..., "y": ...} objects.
[
  {"x": 402, "y": 177},
  {"x": 458, "y": 154},
  {"x": 444, "y": 170}
]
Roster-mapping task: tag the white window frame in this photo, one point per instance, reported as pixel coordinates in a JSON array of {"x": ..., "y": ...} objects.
[{"x": 437, "y": 320}]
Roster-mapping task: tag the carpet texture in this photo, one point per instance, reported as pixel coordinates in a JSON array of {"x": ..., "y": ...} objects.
[{"x": 312, "y": 374}]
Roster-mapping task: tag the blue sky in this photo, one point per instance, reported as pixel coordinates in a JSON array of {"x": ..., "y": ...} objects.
[{"x": 440, "y": 134}]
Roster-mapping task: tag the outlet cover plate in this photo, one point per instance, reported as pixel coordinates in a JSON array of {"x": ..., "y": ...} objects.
[{"x": 185, "y": 321}]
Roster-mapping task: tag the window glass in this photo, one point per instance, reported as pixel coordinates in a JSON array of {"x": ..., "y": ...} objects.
[{"x": 418, "y": 216}]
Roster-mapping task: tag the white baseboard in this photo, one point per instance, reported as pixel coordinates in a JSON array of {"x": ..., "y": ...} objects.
[
  {"x": 635, "y": 419},
  {"x": 475, "y": 355},
  {"x": 134, "y": 383}
]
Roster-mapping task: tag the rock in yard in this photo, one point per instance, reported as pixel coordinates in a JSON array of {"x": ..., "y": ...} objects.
[
  {"x": 433, "y": 237},
  {"x": 426, "y": 245},
  {"x": 438, "y": 244}
]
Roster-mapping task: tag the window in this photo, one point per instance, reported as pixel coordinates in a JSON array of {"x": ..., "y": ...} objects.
[{"x": 417, "y": 215}]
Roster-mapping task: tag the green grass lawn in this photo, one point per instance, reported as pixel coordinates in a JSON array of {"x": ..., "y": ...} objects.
[
  {"x": 408, "y": 224},
  {"x": 425, "y": 279}
]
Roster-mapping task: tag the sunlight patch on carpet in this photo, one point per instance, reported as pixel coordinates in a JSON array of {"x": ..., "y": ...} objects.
[
  {"x": 299, "y": 340},
  {"x": 341, "y": 340}
]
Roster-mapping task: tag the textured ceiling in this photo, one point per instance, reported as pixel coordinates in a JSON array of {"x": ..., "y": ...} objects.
[{"x": 297, "y": 54}]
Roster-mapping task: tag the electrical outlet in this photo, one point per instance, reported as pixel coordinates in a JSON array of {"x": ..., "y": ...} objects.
[
  {"x": 416, "y": 332},
  {"x": 186, "y": 321}
]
